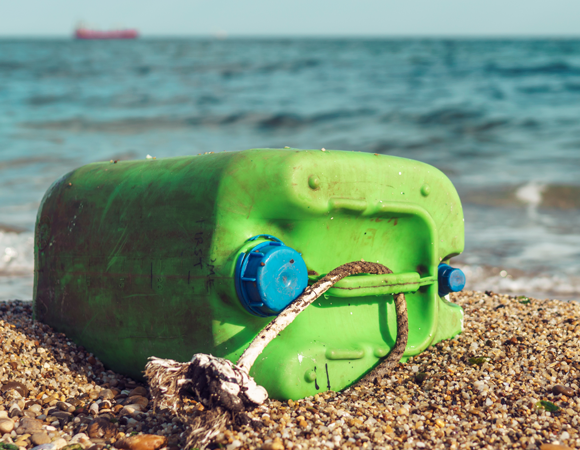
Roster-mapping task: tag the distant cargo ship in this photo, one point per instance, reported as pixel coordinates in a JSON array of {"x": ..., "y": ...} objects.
[{"x": 86, "y": 33}]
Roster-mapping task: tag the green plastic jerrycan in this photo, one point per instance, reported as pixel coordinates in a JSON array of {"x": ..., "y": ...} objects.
[{"x": 187, "y": 255}]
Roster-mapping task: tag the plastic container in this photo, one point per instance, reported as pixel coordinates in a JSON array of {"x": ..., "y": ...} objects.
[{"x": 144, "y": 258}]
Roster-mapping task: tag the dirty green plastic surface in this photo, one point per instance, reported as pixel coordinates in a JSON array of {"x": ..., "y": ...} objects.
[{"x": 136, "y": 259}]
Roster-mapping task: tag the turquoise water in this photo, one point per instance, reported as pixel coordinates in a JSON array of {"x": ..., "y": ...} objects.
[{"x": 500, "y": 118}]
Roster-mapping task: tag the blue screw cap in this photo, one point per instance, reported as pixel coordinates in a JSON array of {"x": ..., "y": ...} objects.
[
  {"x": 269, "y": 277},
  {"x": 451, "y": 279}
]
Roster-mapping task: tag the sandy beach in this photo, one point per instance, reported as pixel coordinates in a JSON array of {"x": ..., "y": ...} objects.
[{"x": 509, "y": 381}]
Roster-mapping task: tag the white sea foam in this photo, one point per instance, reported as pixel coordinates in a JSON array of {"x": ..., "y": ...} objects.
[
  {"x": 562, "y": 286},
  {"x": 531, "y": 193},
  {"x": 16, "y": 253},
  {"x": 16, "y": 265}
]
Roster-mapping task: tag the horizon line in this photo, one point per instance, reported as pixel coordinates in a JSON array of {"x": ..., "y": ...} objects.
[{"x": 218, "y": 36}]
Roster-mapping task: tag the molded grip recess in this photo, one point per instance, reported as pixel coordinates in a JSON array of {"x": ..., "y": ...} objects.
[
  {"x": 451, "y": 279},
  {"x": 269, "y": 277}
]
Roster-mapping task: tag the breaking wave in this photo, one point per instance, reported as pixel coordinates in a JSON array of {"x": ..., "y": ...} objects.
[
  {"x": 16, "y": 253},
  {"x": 254, "y": 120},
  {"x": 16, "y": 264},
  {"x": 533, "y": 194},
  {"x": 516, "y": 282}
]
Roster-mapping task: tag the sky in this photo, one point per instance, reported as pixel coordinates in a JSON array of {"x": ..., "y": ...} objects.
[{"x": 495, "y": 18}]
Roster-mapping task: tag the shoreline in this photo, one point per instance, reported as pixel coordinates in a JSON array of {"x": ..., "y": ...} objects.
[{"x": 483, "y": 389}]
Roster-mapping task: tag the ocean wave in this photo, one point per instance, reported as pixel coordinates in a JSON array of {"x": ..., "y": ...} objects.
[
  {"x": 290, "y": 66},
  {"x": 572, "y": 87},
  {"x": 16, "y": 252},
  {"x": 257, "y": 120},
  {"x": 553, "y": 68},
  {"x": 449, "y": 115},
  {"x": 513, "y": 281},
  {"x": 532, "y": 194}
]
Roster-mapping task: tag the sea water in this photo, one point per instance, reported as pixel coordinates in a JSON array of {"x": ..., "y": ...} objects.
[{"x": 501, "y": 118}]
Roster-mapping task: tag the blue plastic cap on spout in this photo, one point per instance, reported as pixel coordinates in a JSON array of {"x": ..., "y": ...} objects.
[
  {"x": 269, "y": 277},
  {"x": 451, "y": 279}
]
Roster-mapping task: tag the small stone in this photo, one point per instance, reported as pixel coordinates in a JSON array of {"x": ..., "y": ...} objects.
[
  {"x": 403, "y": 412},
  {"x": 6, "y": 426},
  {"x": 142, "y": 442},
  {"x": 35, "y": 408},
  {"x": 130, "y": 410},
  {"x": 440, "y": 423},
  {"x": 61, "y": 416},
  {"x": 50, "y": 446},
  {"x": 59, "y": 443},
  {"x": 63, "y": 406},
  {"x": 235, "y": 444},
  {"x": 276, "y": 445},
  {"x": 79, "y": 438},
  {"x": 420, "y": 377},
  {"x": 565, "y": 436},
  {"x": 564, "y": 390},
  {"x": 48, "y": 400},
  {"x": 511, "y": 341},
  {"x": 101, "y": 428},
  {"x": 554, "y": 447},
  {"x": 105, "y": 404},
  {"x": 303, "y": 424},
  {"x": 17, "y": 386},
  {"x": 15, "y": 411},
  {"x": 139, "y": 390},
  {"x": 106, "y": 394},
  {"x": 29, "y": 426},
  {"x": 137, "y": 400},
  {"x": 73, "y": 447},
  {"x": 40, "y": 438},
  {"x": 291, "y": 403}
]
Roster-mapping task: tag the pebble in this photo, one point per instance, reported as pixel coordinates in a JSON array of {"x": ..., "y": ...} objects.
[
  {"x": 59, "y": 443},
  {"x": 564, "y": 390},
  {"x": 50, "y": 446},
  {"x": 79, "y": 438},
  {"x": 35, "y": 408},
  {"x": 6, "y": 426},
  {"x": 130, "y": 410},
  {"x": 106, "y": 394},
  {"x": 526, "y": 350},
  {"x": 276, "y": 445},
  {"x": 554, "y": 447},
  {"x": 17, "y": 386},
  {"x": 14, "y": 411},
  {"x": 139, "y": 390},
  {"x": 142, "y": 442},
  {"x": 137, "y": 400},
  {"x": 40, "y": 438},
  {"x": 29, "y": 426},
  {"x": 101, "y": 428}
]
